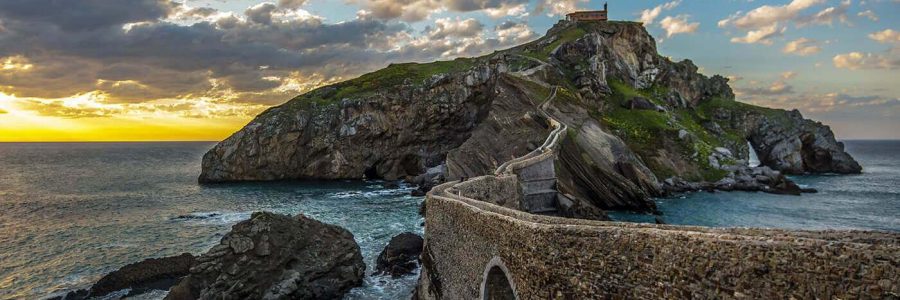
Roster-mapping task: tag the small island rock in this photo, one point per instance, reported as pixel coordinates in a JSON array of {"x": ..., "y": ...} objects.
[
  {"x": 401, "y": 254},
  {"x": 274, "y": 256}
]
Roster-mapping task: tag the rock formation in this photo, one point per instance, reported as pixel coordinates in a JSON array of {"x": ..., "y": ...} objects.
[
  {"x": 636, "y": 119},
  {"x": 401, "y": 255},
  {"x": 140, "y": 277},
  {"x": 275, "y": 256}
]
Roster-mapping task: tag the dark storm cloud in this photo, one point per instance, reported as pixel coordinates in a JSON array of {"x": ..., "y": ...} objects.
[
  {"x": 85, "y": 14},
  {"x": 81, "y": 46},
  {"x": 134, "y": 51}
]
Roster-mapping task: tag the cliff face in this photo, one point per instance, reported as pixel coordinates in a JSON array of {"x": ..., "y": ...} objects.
[{"x": 635, "y": 118}]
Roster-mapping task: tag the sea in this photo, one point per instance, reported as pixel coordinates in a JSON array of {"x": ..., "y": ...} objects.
[{"x": 72, "y": 212}]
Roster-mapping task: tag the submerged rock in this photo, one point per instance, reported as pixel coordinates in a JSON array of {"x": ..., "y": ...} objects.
[
  {"x": 272, "y": 256},
  {"x": 401, "y": 255}
]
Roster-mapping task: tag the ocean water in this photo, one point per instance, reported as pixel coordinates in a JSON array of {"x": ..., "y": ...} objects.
[
  {"x": 72, "y": 212},
  {"x": 868, "y": 201}
]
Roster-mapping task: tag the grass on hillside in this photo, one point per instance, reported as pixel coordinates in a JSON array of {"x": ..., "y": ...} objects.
[{"x": 394, "y": 75}]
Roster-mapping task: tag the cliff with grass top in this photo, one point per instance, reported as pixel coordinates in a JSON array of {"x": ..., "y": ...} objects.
[{"x": 640, "y": 125}]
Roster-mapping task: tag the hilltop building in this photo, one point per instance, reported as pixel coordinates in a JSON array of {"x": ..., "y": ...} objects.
[{"x": 589, "y": 15}]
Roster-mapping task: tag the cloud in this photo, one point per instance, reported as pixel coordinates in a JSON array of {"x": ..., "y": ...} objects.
[
  {"x": 410, "y": 11},
  {"x": 649, "y": 15},
  {"x": 869, "y": 14},
  {"x": 558, "y": 7},
  {"x": 865, "y": 106},
  {"x": 889, "y": 60},
  {"x": 261, "y": 13},
  {"x": 776, "y": 88},
  {"x": 802, "y": 47},
  {"x": 788, "y": 75},
  {"x": 508, "y": 10},
  {"x": 766, "y": 15},
  {"x": 227, "y": 63},
  {"x": 291, "y": 4},
  {"x": 827, "y": 15},
  {"x": 763, "y": 23},
  {"x": 887, "y": 36},
  {"x": 762, "y": 36},
  {"x": 512, "y": 33},
  {"x": 447, "y": 27},
  {"x": 74, "y": 16},
  {"x": 678, "y": 25},
  {"x": 418, "y": 10}
]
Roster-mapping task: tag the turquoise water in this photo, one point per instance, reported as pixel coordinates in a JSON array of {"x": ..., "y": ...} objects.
[
  {"x": 869, "y": 201},
  {"x": 70, "y": 213}
]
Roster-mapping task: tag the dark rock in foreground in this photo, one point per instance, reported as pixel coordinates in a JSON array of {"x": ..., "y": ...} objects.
[
  {"x": 149, "y": 274},
  {"x": 140, "y": 277},
  {"x": 399, "y": 257},
  {"x": 274, "y": 256}
]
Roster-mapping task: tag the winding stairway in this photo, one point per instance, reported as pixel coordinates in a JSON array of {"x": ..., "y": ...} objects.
[{"x": 536, "y": 172}]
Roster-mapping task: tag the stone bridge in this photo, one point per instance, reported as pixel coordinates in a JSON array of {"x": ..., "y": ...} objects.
[{"x": 481, "y": 242}]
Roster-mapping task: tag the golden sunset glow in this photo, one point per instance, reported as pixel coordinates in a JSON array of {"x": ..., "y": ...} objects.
[{"x": 87, "y": 118}]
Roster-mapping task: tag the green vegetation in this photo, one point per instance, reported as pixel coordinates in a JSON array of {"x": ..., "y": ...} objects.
[
  {"x": 641, "y": 128},
  {"x": 394, "y": 75},
  {"x": 570, "y": 34},
  {"x": 646, "y": 131}
]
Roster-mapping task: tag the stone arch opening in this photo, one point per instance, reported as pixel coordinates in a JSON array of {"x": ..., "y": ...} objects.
[{"x": 496, "y": 283}]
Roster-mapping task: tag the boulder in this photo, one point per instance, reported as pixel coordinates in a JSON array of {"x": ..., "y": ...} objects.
[
  {"x": 401, "y": 255},
  {"x": 272, "y": 256}
]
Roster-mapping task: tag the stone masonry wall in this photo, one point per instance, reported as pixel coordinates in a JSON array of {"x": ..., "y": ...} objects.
[{"x": 557, "y": 258}]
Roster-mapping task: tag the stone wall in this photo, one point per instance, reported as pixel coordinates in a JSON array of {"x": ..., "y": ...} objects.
[{"x": 558, "y": 258}]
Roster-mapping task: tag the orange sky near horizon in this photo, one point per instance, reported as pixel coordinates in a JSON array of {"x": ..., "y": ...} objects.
[{"x": 27, "y": 126}]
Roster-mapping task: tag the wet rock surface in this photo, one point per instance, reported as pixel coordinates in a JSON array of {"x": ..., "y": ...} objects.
[
  {"x": 272, "y": 256},
  {"x": 401, "y": 255}
]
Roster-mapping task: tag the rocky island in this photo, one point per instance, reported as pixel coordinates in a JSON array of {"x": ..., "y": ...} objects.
[{"x": 639, "y": 124}]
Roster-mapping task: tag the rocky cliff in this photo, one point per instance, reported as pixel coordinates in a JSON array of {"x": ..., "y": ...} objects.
[{"x": 636, "y": 119}]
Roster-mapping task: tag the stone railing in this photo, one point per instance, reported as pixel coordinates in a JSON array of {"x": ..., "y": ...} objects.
[
  {"x": 475, "y": 249},
  {"x": 542, "y": 152}
]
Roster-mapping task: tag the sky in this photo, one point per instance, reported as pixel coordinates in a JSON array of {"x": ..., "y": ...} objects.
[{"x": 149, "y": 70}]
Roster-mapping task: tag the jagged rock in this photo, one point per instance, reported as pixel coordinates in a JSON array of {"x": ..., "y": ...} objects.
[
  {"x": 153, "y": 273},
  {"x": 272, "y": 256},
  {"x": 787, "y": 142},
  {"x": 401, "y": 254}
]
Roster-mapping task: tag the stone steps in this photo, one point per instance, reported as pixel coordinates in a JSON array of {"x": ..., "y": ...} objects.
[{"x": 541, "y": 201}]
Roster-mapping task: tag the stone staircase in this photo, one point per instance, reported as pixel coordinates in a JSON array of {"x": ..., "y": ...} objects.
[{"x": 536, "y": 172}]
